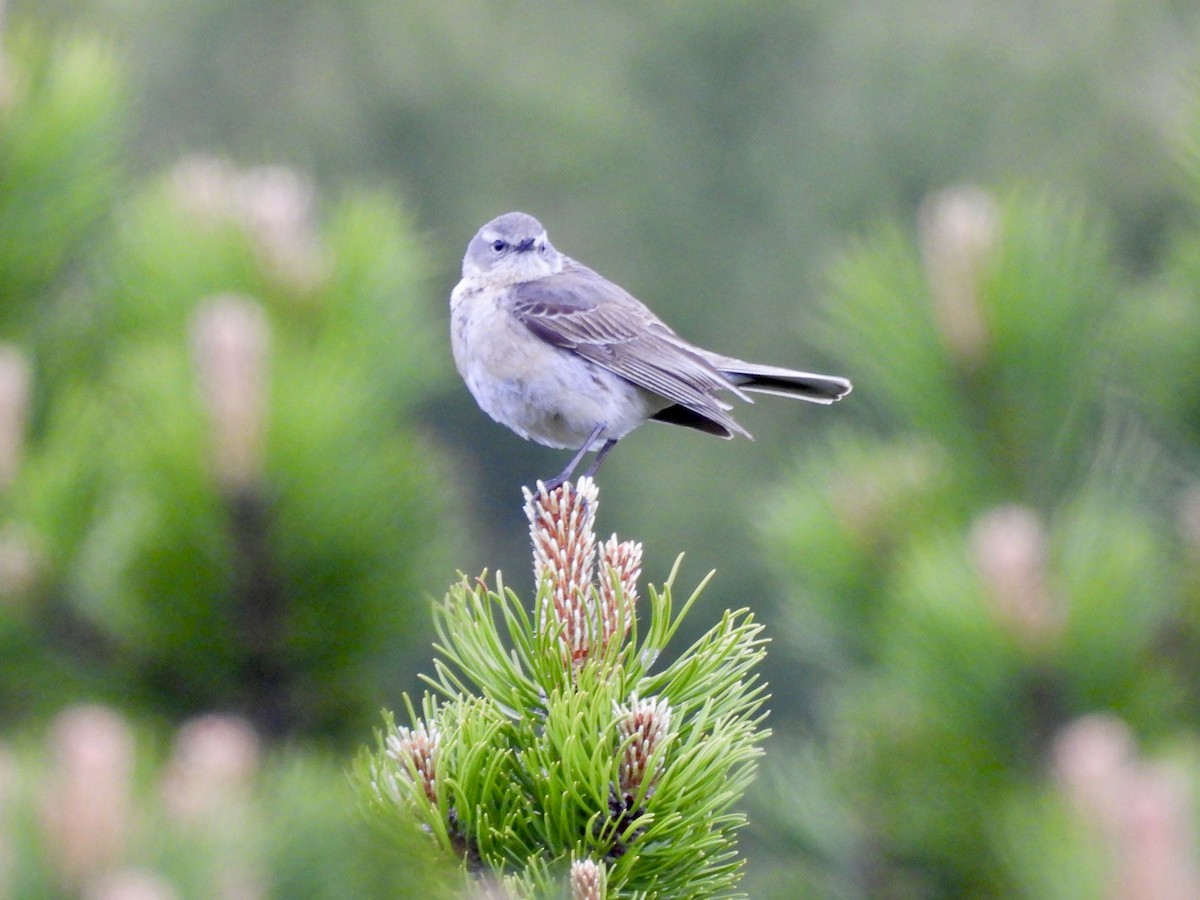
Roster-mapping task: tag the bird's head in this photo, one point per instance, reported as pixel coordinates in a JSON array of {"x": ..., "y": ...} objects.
[{"x": 511, "y": 249}]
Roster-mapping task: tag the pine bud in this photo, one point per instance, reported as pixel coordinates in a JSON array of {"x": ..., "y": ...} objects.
[
  {"x": 561, "y": 528},
  {"x": 14, "y": 409},
  {"x": 588, "y": 880},
  {"x": 643, "y": 728},
  {"x": 230, "y": 340},
  {"x": 1141, "y": 812},
  {"x": 86, "y": 808},
  {"x": 959, "y": 230},
  {"x": 1092, "y": 756},
  {"x": 275, "y": 205},
  {"x": 271, "y": 205},
  {"x": 130, "y": 884},
  {"x": 1157, "y": 854},
  {"x": 620, "y": 563},
  {"x": 211, "y": 771},
  {"x": 1010, "y": 549},
  {"x": 416, "y": 750}
]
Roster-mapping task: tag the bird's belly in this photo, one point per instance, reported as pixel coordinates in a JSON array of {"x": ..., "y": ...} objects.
[
  {"x": 543, "y": 393},
  {"x": 562, "y": 405}
]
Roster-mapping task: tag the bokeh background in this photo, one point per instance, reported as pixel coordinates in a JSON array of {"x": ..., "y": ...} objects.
[{"x": 236, "y": 463}]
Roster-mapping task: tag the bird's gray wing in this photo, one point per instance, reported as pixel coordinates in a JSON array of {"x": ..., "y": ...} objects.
[{"x": 584, "y": 313}]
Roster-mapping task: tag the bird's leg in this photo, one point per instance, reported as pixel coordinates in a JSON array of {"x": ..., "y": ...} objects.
[
  {"x": 600, "y": 454},
  {"x": 557, "y": 481}
]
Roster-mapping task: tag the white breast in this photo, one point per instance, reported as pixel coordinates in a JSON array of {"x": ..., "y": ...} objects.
[{"x": 541, "y": 392}]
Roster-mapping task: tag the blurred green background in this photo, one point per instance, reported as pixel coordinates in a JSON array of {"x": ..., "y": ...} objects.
[{"x": 236, "y": 463}]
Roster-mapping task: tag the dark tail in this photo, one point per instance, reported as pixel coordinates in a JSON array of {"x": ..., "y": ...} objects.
[
  {"x": 762, "y": 379},
  {"x": 784, "y": 382}
]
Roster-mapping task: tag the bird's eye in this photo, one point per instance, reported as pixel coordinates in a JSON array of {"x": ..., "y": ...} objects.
[{"x": 499, "y": 245}]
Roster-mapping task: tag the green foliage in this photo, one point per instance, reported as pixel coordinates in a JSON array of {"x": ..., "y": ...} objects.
[
  {"x": 1018, "y": 409},
  {"x": 708, "y": 157},
  {"x": 518, "y": 763},
  {"x": 988, "y": 574},
  {"x": 191, "y": 529},
  {"x": 61, "y": 120},
  {"x": 95, "y": 803}
]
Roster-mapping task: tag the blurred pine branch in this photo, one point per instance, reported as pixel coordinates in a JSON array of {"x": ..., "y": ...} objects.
[
  {"x": 214, "y": 489},
  {"x": 994, "y": 568}
]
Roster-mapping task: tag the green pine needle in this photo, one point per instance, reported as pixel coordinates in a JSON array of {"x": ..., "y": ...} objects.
[{"x": 530, "y": 749}]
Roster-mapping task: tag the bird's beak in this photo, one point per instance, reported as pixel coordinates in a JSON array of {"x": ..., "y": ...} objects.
[{"x": 526, "y": 245}]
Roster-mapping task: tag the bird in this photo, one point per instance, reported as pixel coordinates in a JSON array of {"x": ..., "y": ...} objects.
[{"x": 564, "y": 357}]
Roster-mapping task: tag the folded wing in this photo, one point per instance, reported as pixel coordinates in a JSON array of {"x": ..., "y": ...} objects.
[{"x": 580, "y": 311}]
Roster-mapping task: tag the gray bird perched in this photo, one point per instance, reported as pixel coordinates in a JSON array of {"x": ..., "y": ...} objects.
[{"x": 564, "y": 357}]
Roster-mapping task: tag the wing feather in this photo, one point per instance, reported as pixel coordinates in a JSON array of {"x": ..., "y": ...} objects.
[{"x": 584, "y": 313}]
